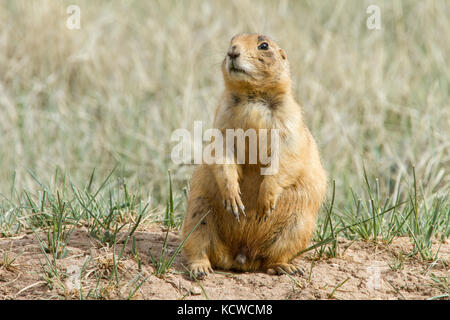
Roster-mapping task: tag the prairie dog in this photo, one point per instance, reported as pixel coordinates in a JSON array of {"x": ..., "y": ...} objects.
[{"x": 255, "y": 222}]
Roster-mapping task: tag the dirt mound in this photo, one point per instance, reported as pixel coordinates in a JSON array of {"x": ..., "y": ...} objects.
[{"x": 364, "y": 270}]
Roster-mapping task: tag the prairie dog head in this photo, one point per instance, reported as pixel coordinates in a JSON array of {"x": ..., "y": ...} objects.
[{"x": 255, "y": 62}]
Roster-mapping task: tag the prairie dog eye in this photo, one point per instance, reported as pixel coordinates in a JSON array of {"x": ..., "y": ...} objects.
[{"x": 263, "y": 46}]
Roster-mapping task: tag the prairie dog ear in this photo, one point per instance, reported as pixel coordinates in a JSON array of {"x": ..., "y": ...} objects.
[{"x": 283, "y": 54}]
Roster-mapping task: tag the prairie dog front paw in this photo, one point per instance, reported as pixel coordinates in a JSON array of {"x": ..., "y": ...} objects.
[{"x": 232, "y": 201}]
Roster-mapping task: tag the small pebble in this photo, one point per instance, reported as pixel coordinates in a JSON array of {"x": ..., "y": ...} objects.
[{"x": 195, "y": 291}]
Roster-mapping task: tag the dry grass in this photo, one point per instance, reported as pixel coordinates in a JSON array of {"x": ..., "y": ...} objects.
[{"x": 113, "y": 91}]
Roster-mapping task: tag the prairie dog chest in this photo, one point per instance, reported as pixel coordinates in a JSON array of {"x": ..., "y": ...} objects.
[
  {"x": 252, "y": 114},
  {"x": 249, "y": 112}
]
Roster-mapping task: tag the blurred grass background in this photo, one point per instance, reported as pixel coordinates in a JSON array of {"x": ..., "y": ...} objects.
[{"x": 113, "y": 91}]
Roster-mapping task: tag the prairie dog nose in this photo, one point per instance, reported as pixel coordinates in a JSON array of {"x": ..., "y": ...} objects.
[{"x": 233, "y": 53}]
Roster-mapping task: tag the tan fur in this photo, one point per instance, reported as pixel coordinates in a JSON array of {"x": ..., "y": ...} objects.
[{"x": 263, "y": 239}]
